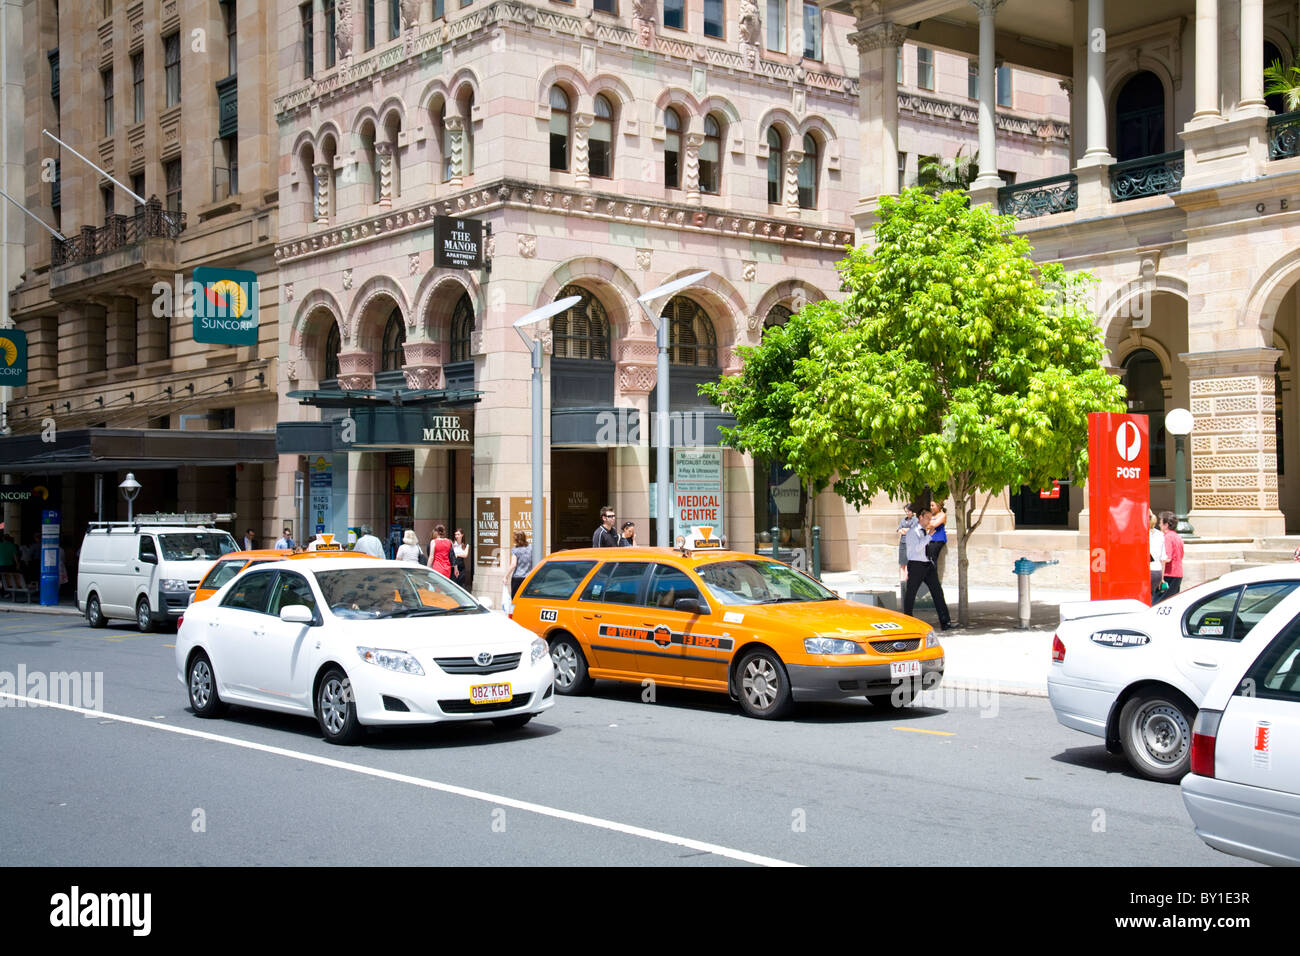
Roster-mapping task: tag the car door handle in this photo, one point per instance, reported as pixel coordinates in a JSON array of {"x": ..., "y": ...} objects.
[
  {"x": 1211, "y": 665},
  {"x": 588, "y": 617},
  {"x": 259, "y": 632}
]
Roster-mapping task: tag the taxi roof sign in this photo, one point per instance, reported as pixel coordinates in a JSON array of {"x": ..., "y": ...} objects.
[{"x": 327, "y": 543}]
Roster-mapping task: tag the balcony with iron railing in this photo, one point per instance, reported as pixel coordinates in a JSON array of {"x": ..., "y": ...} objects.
[
  {"x": 1284, "y": 136},
  {"x": 1040, "y": 197},
  {"x": 1147, "y": 176},
  {"x": 118, "y": 232}
]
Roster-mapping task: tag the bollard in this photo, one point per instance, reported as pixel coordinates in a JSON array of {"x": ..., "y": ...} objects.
[
  {"x": 817, "y": 552},
  {"x": 1023, "y": 568}
]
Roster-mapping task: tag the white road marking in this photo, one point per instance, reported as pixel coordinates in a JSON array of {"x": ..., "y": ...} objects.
[{"x": 482, "y": 795}]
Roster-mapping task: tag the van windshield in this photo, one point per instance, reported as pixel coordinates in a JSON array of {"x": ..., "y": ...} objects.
[{"x": 196, "y": 546}]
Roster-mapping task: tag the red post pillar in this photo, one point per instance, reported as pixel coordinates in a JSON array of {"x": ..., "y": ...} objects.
[{"x": 1119, "y": 503}]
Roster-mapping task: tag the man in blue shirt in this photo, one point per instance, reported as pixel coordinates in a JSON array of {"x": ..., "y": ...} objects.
[{"x": 921, "y": 570}]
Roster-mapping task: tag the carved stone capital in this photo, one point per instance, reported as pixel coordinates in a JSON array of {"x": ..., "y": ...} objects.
[
  {"x": 987, "y": 7},
  {"x": 878, "y": 37}
]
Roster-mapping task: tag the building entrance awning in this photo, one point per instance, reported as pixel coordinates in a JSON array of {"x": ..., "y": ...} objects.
[
  {"x": 122, "y": 449},
  {"x": 380, "y": 397}
]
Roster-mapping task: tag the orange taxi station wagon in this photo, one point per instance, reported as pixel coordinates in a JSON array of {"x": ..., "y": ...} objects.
[
  {"x": 724, "y": 621},
  {"x": 228, "y": 565}
]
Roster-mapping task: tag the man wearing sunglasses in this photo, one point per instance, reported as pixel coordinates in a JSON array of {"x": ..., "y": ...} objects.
[{"x": 605, "y": 536}]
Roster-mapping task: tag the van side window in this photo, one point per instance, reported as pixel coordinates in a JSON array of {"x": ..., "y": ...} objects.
[{"x": 147, "y": 547}]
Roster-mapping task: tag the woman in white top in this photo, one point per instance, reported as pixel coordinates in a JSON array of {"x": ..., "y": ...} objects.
[
  {"x": 410, "y": 548},
  {"x": 1156, "y": 547}
]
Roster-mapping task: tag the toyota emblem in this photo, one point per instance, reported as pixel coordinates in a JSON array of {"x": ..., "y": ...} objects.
[{"x": 484, "y": 659}]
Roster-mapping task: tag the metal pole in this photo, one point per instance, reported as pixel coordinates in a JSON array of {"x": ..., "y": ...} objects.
[
  {"x": 1181, "y": 523},
  {"x": 661, "y": 440},
  {"x": 539, "y": 519}
]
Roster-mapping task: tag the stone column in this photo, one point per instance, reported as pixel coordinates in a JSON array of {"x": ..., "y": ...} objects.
[
  {"x": 877, "y": 45},
  {"x": 1252, "y": 59},
  {"x": 1207, "y": 64},
  {"x": 582, "y": 123},
  {"x": 1093, "y": 169},
  {"x": 321, "y": 171},
  {"x": 691, "y": 167},
  {"x": 385, "y": 153},
  {"x": 790, "y": 176},
  {"x": 455, "y": 143},
  {"x": 1233, "y": 450},
  {"x": 988, "y": 181}
]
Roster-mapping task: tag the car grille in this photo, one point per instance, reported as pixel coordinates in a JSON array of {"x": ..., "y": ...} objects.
[
  {"x": 896, "y": 647},
  {"x": 463, "y": 706},
  {"x": 467, "y": 665}
]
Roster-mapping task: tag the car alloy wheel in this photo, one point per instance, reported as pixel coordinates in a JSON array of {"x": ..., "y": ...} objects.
[
  {"x": 570, "y": 666},
  {"x": 94, "y": 615},
  {"x": 204, "y": 698},
  {"x": 1157, "y": 736},
  {"x": 764, "y": 687},
  {"x": 143, "y": 617},
  {"x": 336, "y": 711}
]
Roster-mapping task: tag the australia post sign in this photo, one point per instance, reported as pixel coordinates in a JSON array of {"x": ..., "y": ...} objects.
[{"x": 1118, "y": 502}]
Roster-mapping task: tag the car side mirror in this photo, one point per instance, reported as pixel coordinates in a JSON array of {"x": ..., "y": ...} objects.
[
  {"x": 149, "y": 558},
  {"x": 297, "y": 614},
  {"x": 689, "y": 606}
]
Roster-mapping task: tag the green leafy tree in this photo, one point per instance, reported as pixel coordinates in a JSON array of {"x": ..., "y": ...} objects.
[
  {"x": 960, "y": 364},
  {"x": 764, "y": 395},
  {"x": 1285, "y": 81},
  {"x": 937, "y": 176}
]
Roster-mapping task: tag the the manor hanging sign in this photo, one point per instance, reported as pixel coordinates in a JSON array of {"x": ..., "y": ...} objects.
[
  {"x": 458, "y": 243},
  {"x": 411, "y": 427},
  {"x": 446, "y": 430}
]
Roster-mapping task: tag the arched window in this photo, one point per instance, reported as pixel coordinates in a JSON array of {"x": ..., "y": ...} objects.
[
  {"x": 672, "y": 148},
  {"x": 582, "y": 332},
  {"x": 330, "y": 372},
  {"x": 1276, "y": 102},
  {"x": 394, "y": 339},
  {"x": 775, "y": 164},
  {"x": 808, "y": 174},
  {"x": 1140, "y": 117},
  {"x": 559, "y": 129},
  {"x": 777, "y": 316},
  {"x": 711, "y": 157},
  {"x": 462, "y": 329},
  {"x": 691, "y": 339},
  {"x": 601, "y": 154},
  {"x": 1146, "y": 396}
]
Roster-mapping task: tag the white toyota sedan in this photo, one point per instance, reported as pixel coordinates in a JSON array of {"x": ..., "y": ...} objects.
[
  {"x": 359, "y": 643},
  {"x": 1136, "y": 675},
  {"x": 1243, "y": 793}
]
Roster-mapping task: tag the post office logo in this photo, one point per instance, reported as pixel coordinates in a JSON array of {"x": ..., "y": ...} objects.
[{"x": 1128, "y": 441}]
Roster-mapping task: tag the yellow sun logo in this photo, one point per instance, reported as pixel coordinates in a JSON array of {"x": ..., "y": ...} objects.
[
  {"x": 9, "y": 350},
  {"x": 236, "y": 300}
]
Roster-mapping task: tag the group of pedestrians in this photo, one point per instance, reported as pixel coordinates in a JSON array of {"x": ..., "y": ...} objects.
[
  {"x": 921, "y": 539},
  {"x": 447, "y": 556},
  {"x": 606, "y": 537}
]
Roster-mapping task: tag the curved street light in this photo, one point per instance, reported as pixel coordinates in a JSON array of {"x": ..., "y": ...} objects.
[
  {"x": 1179, "y": 423},
  {"x": 129, "y": 488}
]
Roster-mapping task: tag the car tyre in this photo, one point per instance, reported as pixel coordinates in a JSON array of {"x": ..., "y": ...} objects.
[
  {"x": 513, "y": 722},
  {"x": 763, "y": 686},
  {"x": 571, "y": 675},
  {"x": 202, "y": 683},
  {"x": 1155, "y": 729},
  {"x": 336, "y": 710},
  {"x": 143, "y": 616},
  {"x": 94, "y": 613}
]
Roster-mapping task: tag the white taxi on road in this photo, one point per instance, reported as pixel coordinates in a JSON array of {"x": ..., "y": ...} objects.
[
  {"x": 1243, "y": 793},
  {"x": 1136, "y": 675},
  {"x": 359, "y": 642}
]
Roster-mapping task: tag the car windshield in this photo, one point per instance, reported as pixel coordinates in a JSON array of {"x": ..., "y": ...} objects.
[
  {"x": 387, "y": 591},
  {"x": 760, "y": 582},
  {"x": 196, "y": 545}
]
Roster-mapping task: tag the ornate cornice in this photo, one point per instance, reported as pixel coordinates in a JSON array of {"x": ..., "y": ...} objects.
[
  {"x": 572, "y": 202},
  {"x": 967, "y": 114},
  {"x": 427, "y": 41}
]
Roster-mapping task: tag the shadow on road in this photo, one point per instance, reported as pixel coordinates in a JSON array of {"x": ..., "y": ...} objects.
[{"x": 1097, "y": 758}]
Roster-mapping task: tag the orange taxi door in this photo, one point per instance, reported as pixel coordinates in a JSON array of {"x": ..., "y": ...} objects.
[
  {"x": 632, "y": 638},
  {"x": 703, "y": 654}
]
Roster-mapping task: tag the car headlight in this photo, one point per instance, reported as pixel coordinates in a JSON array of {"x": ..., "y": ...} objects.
[
  {"x": 541, "y": 650},
  {"x": 173, "y": 584},
  {"x": 391, "y": 660},
  {"x": 831, "y": 645},
  {"x": 931, "y": 640}
]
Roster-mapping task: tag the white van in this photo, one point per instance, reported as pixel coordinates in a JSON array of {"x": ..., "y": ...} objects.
[{"x": 144, "y": 572}]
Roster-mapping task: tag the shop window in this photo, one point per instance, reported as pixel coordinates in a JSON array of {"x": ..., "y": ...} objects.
[
  {"x": 394, "y": 340},
  {"x": 692, "y": 340},
  {"x": 582, "y": 332},
  {"x": 672, "y": 148},
  {"x": 775, "y": 164}
]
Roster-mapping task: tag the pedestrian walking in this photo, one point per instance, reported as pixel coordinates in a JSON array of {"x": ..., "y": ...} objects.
[
  {"x": 1156, "y": 544},
  {"x": 285, "y": 541},
  {"x": 440, "y": 551},
  {"x": 410, "y": 548},
  {"x": 905, "y": 524},
  {"x": 460, "y": 559},
  {"x": 521, "y": 562},
  {"x": 369, "y": 543},
  {"x": 605, "y": 536},
  {"x": 1173, "y": 554},
  {"x": 627, "y": 535},
  {"x": 921, "y": 570},
  {"x": 938, "y": 533},
  {"x": 250, "y": 540},
  {"x": 8, "y": 553}
]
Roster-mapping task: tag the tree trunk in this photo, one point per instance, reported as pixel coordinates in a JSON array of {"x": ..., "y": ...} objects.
[{"x": 962, "y": 508}]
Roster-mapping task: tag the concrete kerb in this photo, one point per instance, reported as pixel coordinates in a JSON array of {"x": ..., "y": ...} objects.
[{"x": 41, "y": 608}]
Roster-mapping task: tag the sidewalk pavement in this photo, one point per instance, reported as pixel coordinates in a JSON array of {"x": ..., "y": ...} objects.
[{"x": 993, "y": 653}]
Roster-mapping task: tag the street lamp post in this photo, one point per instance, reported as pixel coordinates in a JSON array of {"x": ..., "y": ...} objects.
[
  {"x": 534, "y": 343},
  {"x": 662, "y": 538},
  {"x": 129, "y": 488},
  {"x": 1179, "y": 423}
]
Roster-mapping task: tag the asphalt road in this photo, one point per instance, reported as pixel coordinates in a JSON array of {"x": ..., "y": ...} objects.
[{"x": 605, "y": 779}]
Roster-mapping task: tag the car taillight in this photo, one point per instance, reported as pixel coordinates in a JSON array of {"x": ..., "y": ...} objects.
[
  {"x": 179, "y": 621},
  {"x": 1204, "y": 733},
  {"x": 1058, "y": 650}
]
